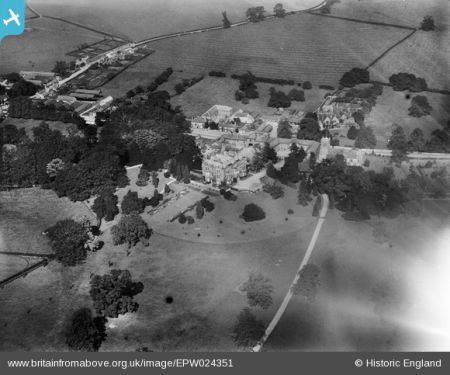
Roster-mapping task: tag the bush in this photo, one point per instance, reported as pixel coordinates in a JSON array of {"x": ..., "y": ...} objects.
[
  {"x": 199, "y": 211},
  {"x": 275, "y": 190},
  {"x": 253, "y": 212},
  {"x": 326, "y": 87},
  {"x": 367, "y": 163},
  {"x": 290, "y": 211},
  {"x": 190, "y": 220},
  {"x": 278, "y": 99},
  {"x": 229, "y": 196}
]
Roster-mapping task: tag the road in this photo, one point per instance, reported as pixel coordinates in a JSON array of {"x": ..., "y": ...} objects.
[{"x": 278, "y": 315}]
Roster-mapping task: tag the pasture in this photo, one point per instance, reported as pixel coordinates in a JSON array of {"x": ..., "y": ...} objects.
[
  {"x": 371, "y": 275},
  {"x": 425, "y": 54},
  {"x": 210, "y": 91},
  {"x": 201, "y": 277},
  {"x": 140, "y": 19},
  {"x": 43, "y": 43},
  {"x": 300, "y": 47}
]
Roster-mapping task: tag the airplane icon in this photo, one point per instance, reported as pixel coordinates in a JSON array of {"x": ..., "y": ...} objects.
[{"x": 14, "y": 17}]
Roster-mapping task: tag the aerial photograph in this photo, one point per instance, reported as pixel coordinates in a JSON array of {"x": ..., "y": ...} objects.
[{"x": 224, "y": 176}]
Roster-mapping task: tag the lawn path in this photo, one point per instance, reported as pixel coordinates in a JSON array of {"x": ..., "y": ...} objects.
[{"x": 278, "y": 315}]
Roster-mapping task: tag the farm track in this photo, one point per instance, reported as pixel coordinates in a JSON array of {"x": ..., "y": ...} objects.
[
  {"x": 25, "y": 271},
  {"x": 40, "y": 15},
  {"x": 362, "y": 21},
  {"x": 220, "y": 27}
]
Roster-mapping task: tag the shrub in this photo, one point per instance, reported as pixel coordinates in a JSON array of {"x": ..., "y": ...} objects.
[
  {"x": 190, "y": 220},
  {"x": 207, "y": 204},
  {"x": 275, "y": 190},
  {"x": 367, "y": 163},
  {"x": 278, "y": 99},
  {"x": 199, "y": 211},
  {"x": 229, "y": 196},
  {"x": 253, "y": 212},
  {"x": 290, "y": 211},
  {"x": 326, "y": 87}
]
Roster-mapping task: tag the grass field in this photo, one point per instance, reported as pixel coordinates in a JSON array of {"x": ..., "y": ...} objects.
[
  {"x": 300, "y": 47},
  {"x": 392, "y": 109},
  {"x": 368, "y": 297},
  {"x": 201, "y": 277},
  {"x": 210, "y": 91},
  {"x": 140, "y": 19},
  {"x": 425, "y": 54},
  {"x": 43, "y": 42}
]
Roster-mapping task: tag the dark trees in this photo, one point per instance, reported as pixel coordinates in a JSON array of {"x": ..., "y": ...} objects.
[
  {"x": 105, "y": 205},
  {"x": 247, "y": 330},
  {"x": 112, "y": 294},
  {"x": 352, "y": 132},
  {"x": 255, "y": 14},
  {"x": 279, "y": 11},
  {"x": 83, "y": 332},
  {"x": 226, "y": 22},
  {"x": 68, "y": 239},
  {"x": 61, "y": 68},
  {"x": 259, "y": 291},
  {"x": 304, "y": 192},
  {"x": 416, "y": 141},
  {"x": 130, "y": 230},
  {"x": 309, "y": 129},
  {"x": 268, "y": 154},
  {"x": 278, "y": 99},
  {"x": 419, "y": 106},
  {"x": 365, "y": 138},
  {"x": 297, "y": 95},
  {"x": 284, "y": 130},
  {"x": 398, "y": 143},
  {"x": 253, "y": 212},
  {"x": 407, "y": 81},
  {"x": 355, "y": 77},
  {"x": 132, "y": 203},
  {"x": 22, "y": 88}
]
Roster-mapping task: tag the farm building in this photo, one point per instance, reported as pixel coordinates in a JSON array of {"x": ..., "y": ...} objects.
[
  {"x": 352, "y": 156},
  {"x": 218, "y": 113},
  {"x": 337, "y": 111},
  {"x": 198, "y": 122}
]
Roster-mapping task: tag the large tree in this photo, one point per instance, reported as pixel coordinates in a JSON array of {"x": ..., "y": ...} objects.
[
  {"x": 279, "y": 11},
  {"x": 366, "y": 138},
  {"x": 112, "y": 294},
  {"x": 83, "y": 332},
  {"x": 248, "y": 329},
  {"x": 105, "y": 205},
  {"x": 130, "y": 230},
  {"x": 398, "y": 143},
  {"x": 253, "y": 212},
  {"x": 68, "y": 239},
  {"x": 259, "y": 291}
]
